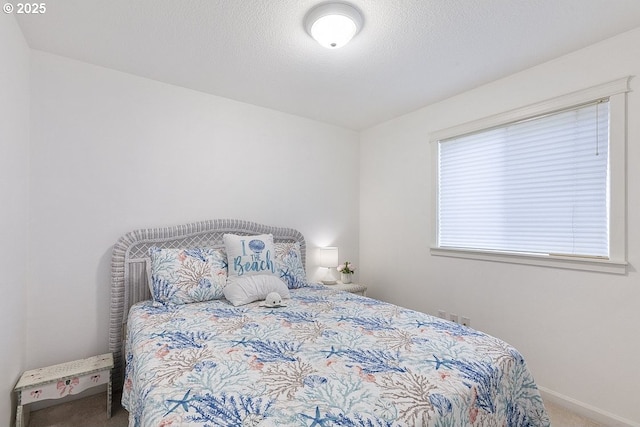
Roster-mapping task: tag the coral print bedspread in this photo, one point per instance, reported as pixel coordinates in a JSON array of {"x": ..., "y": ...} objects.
[{"x": 327, "y": 359}]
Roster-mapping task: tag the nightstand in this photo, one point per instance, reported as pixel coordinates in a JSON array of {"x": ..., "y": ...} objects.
[
  {"x": 54, "y": 382},
  {"x": 354, "y": 288}
]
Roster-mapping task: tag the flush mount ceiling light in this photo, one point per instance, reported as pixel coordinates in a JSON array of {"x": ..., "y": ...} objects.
[{"x": 333, "y": 24}]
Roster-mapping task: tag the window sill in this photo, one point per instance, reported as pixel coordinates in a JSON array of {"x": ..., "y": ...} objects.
[{"x": 555, "y": 261}]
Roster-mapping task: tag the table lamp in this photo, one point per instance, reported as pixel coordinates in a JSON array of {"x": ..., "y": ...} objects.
[{"x": 329, "y": 260}]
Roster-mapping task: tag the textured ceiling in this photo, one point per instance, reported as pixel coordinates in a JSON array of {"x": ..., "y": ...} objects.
[{"x": 410, "y": 53}]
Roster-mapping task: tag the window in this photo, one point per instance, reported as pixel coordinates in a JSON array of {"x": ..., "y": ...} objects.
[{"x": 536, "y": 185}]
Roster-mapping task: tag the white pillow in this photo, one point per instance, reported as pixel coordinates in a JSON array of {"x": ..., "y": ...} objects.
[
  {"x": 249, "y": 255},
  {"x": 243, "y": 290}
]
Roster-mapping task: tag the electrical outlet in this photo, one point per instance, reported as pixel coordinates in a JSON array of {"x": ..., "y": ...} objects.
[
  {"x": 453, "y": 317},
  {"x": 466, "y": 321},
  {"x": 442, "y": 314}
]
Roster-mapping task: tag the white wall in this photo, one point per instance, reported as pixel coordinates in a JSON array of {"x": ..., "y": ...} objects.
[
  {"x": 111, "y": 152},
  {"x": 14, "y": 164},
  {"x": 578, "y": 330}
]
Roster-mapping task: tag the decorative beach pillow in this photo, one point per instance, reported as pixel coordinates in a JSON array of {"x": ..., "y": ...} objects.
[
  {"x": 289, "y": 265},
  {"x": 246, "y": 289},
  {"x": 250, "y": 255},
  {"x": 183, "y": 276}
]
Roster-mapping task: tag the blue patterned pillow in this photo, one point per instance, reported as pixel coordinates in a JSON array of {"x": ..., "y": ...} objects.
[
  {"x": 183, "y": 276},
  {"x": 289, "y": 265}
]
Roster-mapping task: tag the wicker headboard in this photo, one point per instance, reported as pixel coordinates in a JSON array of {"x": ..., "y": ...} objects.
[{"x": 129, "y": 281}]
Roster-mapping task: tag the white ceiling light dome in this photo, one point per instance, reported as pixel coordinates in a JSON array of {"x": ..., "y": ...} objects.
[{"x": 333, "y": 24}]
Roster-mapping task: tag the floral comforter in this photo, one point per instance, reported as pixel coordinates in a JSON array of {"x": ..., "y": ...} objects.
[{"x": 329, "y": 358}]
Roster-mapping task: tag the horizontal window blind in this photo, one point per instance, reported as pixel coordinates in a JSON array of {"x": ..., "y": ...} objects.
[{"x": 535, "y": 186}]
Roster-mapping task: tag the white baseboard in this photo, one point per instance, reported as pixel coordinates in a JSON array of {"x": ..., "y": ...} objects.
[{"x": 588, "y": 411}]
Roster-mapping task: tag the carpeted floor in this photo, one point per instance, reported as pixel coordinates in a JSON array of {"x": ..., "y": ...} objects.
[
  {"x": 91, "y": 412},
  {"x": 87, "y": 412}
]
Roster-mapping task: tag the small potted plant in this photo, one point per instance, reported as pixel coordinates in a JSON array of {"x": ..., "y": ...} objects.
[{"x": 346, "y": 272}]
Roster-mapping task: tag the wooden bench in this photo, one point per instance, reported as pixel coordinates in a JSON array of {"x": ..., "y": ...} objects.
[{"x": 57, "y": 381}]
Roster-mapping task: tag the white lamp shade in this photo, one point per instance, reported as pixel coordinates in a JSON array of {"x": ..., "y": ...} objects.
[
  {"x": 329, "y": 257},
  {"x": 333, "y": 24}
]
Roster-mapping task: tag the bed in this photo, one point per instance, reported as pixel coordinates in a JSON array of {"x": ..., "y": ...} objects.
[{"x": 325, "y": 358}]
